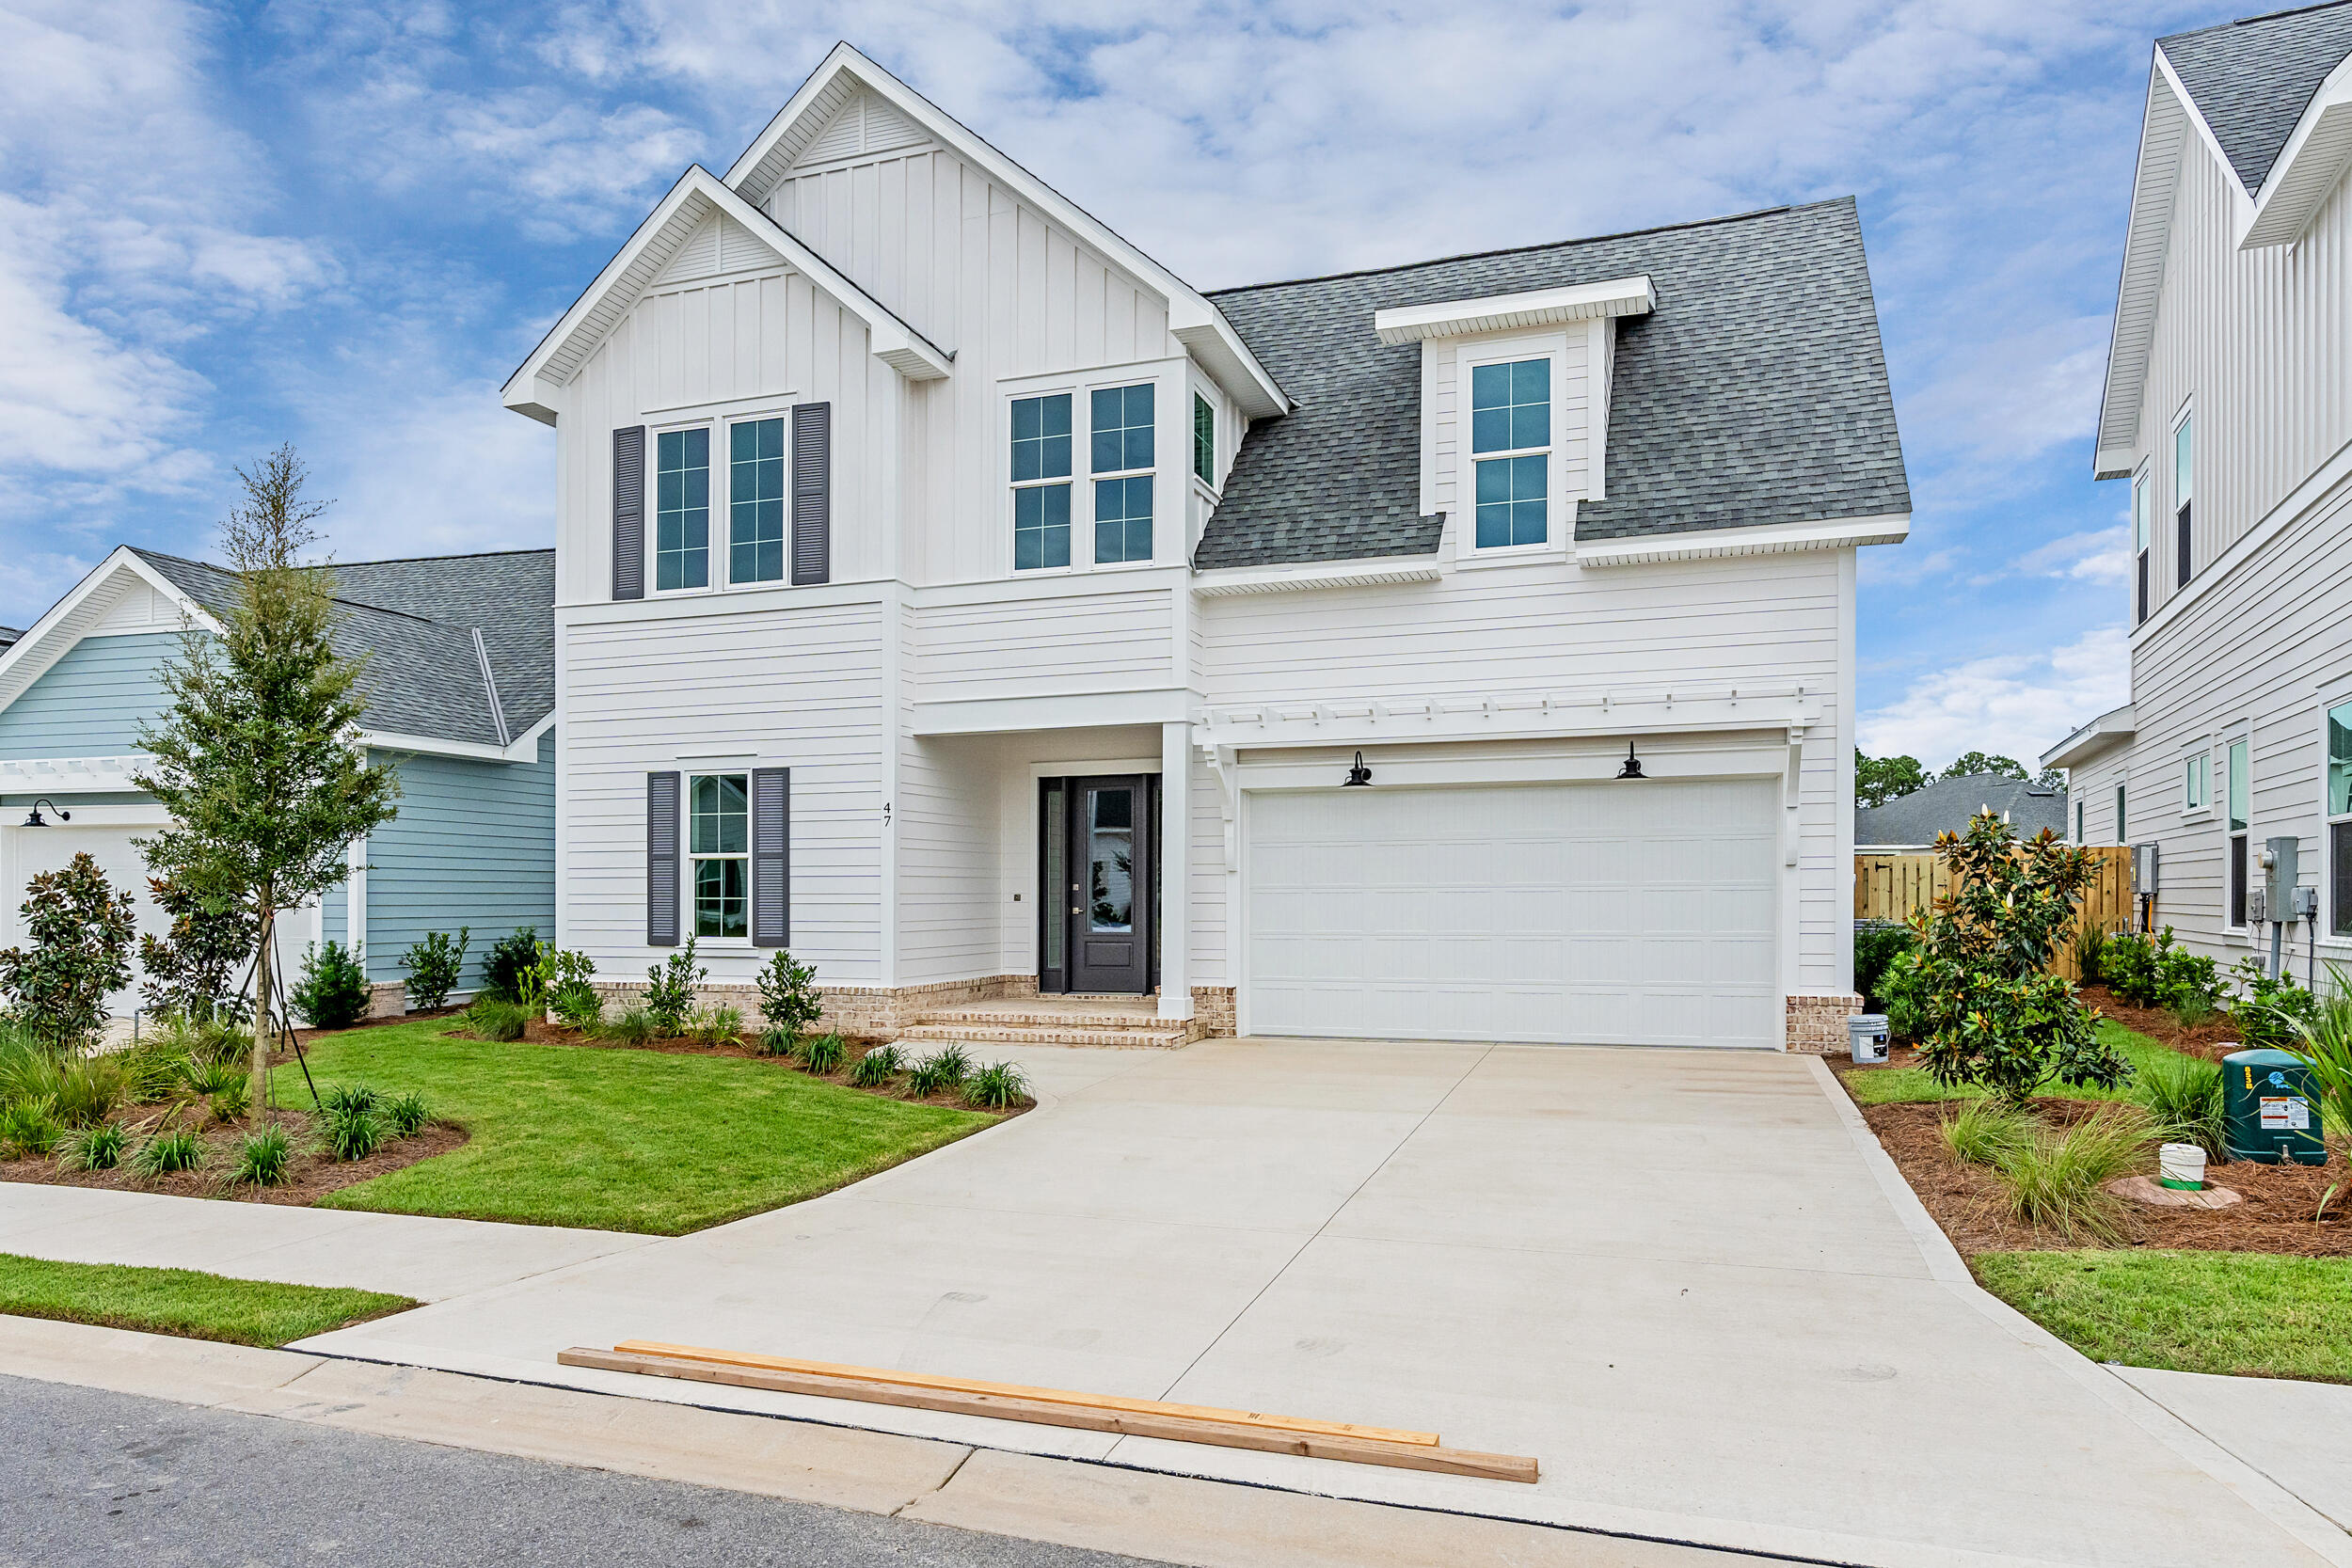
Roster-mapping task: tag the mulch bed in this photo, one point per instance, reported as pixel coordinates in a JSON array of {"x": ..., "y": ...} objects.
[{"x": 313, "y": 1175}]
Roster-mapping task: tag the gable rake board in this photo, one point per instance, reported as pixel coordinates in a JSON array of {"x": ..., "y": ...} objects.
[{"x": 1230, "y": 1429}]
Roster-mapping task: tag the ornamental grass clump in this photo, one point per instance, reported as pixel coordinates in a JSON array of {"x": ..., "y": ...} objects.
[
  {"x": 2057, "y": 1182},
  {"x": 351, "y": 1131},
  {"x": 492, "y": 1018},
  {"x": 88, "y": 1089},
  {"x": 998, "y": 1087},
  {"x": 28, "y": 1129},
  {"x": 405, "y": 1115},
  {"x": 233, "y": 1103},
  {"x": 822, "y": 1055},
  {"x": 630, "y": 1026},
  {"x": 2183, "y": 1096},
  {"x": 264, "y": 1159},
  {"x": 1985, "y": 1131},
  {"x": 169, "y": 1151},
  {"x": 99, "y": 1148},
  {"x": 934, "y": 1075},
  {"x": 209, "y": 1078},
  {"x": 1991, "y": 1015},
  {"x": 878, "y": 1067},
  {"x": 716, "y": 1027}
]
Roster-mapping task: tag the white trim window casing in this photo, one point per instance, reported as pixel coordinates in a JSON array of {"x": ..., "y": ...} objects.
[
  {"x": 2335, "y": 805},
  {"x": 681, "y": 536},
  {"x": 1040, "y": 443},
  {"x": 719, "y": 852},
  {"x": 1511, "y": 400}
]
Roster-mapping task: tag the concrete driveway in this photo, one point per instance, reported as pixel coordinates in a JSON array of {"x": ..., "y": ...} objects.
[{"x": 1686, "y": 1281}]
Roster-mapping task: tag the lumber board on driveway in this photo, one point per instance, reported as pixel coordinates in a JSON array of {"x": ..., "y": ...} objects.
[{"x": 1096, "y": 1417}]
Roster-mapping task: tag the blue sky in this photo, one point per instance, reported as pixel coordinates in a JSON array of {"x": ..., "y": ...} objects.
[{"x": 342, "y": 225}]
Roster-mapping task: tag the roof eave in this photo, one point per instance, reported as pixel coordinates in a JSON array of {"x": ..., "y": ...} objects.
[
  {"x": 2111, "y": 729},
  {"x": 2308, "y": 168}
]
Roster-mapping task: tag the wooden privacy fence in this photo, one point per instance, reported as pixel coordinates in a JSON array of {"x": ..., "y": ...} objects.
[{"x": 1889, "y": 887}]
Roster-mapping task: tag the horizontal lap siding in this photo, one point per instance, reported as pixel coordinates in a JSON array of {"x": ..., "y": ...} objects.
[
  {"x": 800, "y": 689},
  {"x": 473, "y": 845},
  {"x": 92, "y": 702},
  {"x": 1107, "y": 642}
]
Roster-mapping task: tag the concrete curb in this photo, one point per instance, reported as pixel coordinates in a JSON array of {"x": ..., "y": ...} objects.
[{"x": 2259, "y": 1492}]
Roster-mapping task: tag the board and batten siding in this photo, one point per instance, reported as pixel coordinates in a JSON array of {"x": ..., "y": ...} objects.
[
  {"x": 792, "y": 688},
  {"x": 992, "y": 280},
  {"x": 756, "y": 344},
  {"x": 92, "y": 702},
  {"x": 1768, "y": 622},
  {"x": 2261, "y": 340}
]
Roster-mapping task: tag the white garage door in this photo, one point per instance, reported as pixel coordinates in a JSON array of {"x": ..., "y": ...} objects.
[
  {"x": 26, "y": 852},
  {"x": 1635, "y": 913}
]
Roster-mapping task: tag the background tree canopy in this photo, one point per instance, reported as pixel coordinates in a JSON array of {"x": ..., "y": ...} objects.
[{"x": 1879, "y": 779}]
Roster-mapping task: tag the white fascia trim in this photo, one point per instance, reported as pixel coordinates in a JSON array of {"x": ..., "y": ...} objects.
[
  {"x": 46, "y": 640},
  {"x": 2140, "y": 281},
  {"x": 1376, "y": 572},
  {"x": 2335, "y": 471},
  {"x": 72, "y": 775},
  {"x": 1621, "y": 296},
  {"x": 697, "y": 191},
  {"x": 2110, "y": 729},
  {"x": 2308, "y": 166},
  {"x": 1195, "y": 322},
  {"x": 1764, "y": 539},
  {"x": 524, "y": 749},
  {"x": 1055, "y": 710},
  {"x": 1507, "y": 716}
]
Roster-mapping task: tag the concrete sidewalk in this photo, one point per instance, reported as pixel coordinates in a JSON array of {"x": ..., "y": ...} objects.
[{"x": 430, "y": 1260}]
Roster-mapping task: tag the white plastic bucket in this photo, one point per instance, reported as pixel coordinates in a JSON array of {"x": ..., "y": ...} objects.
[{"x": 2181, "y": 1166}]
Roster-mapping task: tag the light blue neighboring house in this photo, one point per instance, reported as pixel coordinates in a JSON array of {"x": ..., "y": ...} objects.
[{"x": 461, "y": 702}]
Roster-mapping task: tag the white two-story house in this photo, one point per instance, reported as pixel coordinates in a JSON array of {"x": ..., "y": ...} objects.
[
  {"x": 2228, "y": 411},
  {"x": 1464, "y": 650}
]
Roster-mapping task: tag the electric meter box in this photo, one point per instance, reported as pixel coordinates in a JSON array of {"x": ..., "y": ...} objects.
[
  {"x": 2143, "y": 868},
  {"x": 2278, "y": 875},
  {"x": 2273, "y": 1114}
]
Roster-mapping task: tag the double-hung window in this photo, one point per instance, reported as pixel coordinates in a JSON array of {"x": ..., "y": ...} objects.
[
  {"x": 2122, "y": 825},
  {"x": 2184, "y": 478},
  {"x": 1511, "y": 447},
  {"x": 756, "y": 502},
  {"x": 1203, "y": 441},
  {"x": 2340, "y": 820},
  {"x": 1122, "y": 449},
  {"x": 719, "y": 841},
  {"x": 1041, "y": 481},
  {"x": 682, "y": 509},
  {"x": 2141, "y": 501},
  {"x": 2193, "y": 782},
  {"x": 2237, "y": 786}
]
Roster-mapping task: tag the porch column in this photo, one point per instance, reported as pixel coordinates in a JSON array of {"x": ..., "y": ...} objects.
[{"x": 1175, "y": 870}]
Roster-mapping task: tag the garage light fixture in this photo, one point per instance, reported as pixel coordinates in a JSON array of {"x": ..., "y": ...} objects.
[
  {"x": 1632, "y": 768},
  {"x": 37, "y": 821},
  {"x": 1359, "y": 776}
]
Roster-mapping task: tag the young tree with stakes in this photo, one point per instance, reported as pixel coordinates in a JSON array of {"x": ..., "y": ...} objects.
[{"x": 256, "y": 760}]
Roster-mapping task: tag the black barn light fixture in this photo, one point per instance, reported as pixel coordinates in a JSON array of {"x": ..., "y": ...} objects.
[
  {"x": 1632, "y": 768},
  {"x": 37, "y": 821},
  {"x": 1358, "y": 777}
]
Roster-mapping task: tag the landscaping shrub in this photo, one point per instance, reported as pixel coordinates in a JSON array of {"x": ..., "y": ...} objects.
[
  {"x": 191, "y": 971},
  {"x": 994, "y": 1087},
  {"x": 2058, "y": 1180},
  {"x": 494, "y": 1017},
  {"x": 774, "y": 1040},
  {"x": 2153, "y": 972},
  {"x": 435, "y": 964},
  {"x": 151, "y": 1070},
  {"x": 230, "y": 1103},
  {"x": 2183, "y": 1096},
  {"x": 98, "y": 1148},
  {"x": 28, "y": 1068},
  {"x": 932, "y": 1075},
  {"x": 332, "y": 992},
  {"x": 221, "y": 1040},
  {"x": 264, "y": 1159},
  {"x": 1902, "y": 995},
  {"x": 565, "y": 981},
  {"x": 1986, "y": 1131},
  {"x": 88, "y": 1089},
  {"x": 1991, "y": 1013},
  {"x": 2268, "y": 1013},
  {"x": 954, "y": 1060},
  {"x": 877, "y": 1068},
  {"x": 405, "y": 1115},
  {"x": 1878, "y": 943},
  {"x": 578, "y": 1006},
  {"x": 350, "y": 1131},
  {"x": 2194, "y": 1012},
  {"x": 28, "y": 1129},
  {"x": 822, "y": 1053},
  {"x": 81, "y": 931},
  {"x": 209, "y": 1078},
  {"x": 789, "y": 1001},
  {"x": 630, "y": 1026},
  {"x": 716, "y": 1027},
  {"x": 511, "y": 972},
  {"x": 349, "y": 1099},
  {"x": 670, "y": 990},
  {"x": 173, "y": 1150}
]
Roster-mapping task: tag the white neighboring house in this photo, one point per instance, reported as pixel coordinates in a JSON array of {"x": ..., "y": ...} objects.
[
  {"x": 2229, "y": 410},
  {"x": 949, "y": 591}
]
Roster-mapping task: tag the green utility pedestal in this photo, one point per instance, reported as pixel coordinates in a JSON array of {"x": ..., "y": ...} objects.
[{"x": 2273, "y": 1114}]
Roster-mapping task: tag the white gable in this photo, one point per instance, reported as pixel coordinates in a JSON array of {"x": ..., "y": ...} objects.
[
  {"x": 867, "y": 124},
  {"x": 719, "y": 245}
]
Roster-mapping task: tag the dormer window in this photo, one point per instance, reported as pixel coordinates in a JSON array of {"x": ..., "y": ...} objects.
[{"x": 1511, "y": 442}]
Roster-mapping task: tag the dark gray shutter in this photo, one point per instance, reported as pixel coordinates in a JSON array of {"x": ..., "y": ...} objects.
[
  {"x": 812, "y": 493},
  {"x": 629, "y": 513},
  {"x": 662, "y": 888},
  {"x": 771, "y": 856}
]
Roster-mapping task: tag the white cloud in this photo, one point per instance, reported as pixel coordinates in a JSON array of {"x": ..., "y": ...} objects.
[
  {"x": 2018, "y": 704},
  {"x": 2103, "y": 556},
  {"x": 451, "y": 471}
]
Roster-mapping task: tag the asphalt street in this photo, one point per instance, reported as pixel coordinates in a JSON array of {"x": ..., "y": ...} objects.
[{"x": 102, "y": 1478}]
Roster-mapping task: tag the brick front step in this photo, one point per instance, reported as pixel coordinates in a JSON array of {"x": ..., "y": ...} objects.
[
  {"x": 1056, "y": 1032},
  {"x": 1000, "y": 1015}
]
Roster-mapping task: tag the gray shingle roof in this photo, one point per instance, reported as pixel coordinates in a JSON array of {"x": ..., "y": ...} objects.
[
  {"x": 1756, "y": 392},
  {"x": 1946, "y": 806},
  {"x": 2252, "y": 79},
  {"x": 415, "y": 620}
]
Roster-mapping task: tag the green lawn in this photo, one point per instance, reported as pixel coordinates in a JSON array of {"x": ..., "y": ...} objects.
[
  {"x": 1909, "y": 1084},
  {"x": 182, "y": 1301},
  {"x": 2249, "y": 1314},
  {"x": 617, "y": 1139}
]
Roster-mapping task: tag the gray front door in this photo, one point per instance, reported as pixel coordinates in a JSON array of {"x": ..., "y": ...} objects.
[{"x": 1107, "y": 891}]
